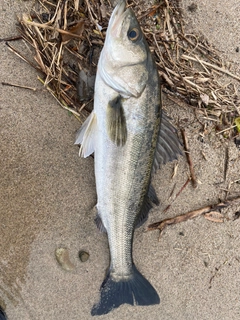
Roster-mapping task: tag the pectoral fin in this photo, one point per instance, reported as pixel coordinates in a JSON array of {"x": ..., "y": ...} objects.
[
  {"x": 116, "y": 122},
  {"x": 86, "y": 136},
  {"x": 168, "y": 145}
]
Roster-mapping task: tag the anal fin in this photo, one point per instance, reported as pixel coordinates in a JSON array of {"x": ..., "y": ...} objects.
[{"x": 99, "y": 223}]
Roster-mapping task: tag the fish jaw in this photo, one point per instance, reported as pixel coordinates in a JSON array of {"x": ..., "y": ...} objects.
[{"x": 116, "y": 16}]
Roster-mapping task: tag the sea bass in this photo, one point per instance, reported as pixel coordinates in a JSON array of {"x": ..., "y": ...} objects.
[{"x": 130, "y": 138}]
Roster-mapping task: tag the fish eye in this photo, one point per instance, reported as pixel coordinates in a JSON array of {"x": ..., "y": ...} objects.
[{"x": 133, "y": 34}]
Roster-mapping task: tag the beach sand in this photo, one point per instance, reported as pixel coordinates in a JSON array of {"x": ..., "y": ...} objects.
[{"x": 47, "y": 194}]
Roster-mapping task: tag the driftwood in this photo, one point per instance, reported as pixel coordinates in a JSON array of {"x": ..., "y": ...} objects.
[{"x": 212, "y": 213}]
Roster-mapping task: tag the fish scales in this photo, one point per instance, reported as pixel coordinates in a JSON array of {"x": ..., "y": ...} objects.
[
  {"x": 120, "y": 196},
  {"x": 124, "y": 132}
]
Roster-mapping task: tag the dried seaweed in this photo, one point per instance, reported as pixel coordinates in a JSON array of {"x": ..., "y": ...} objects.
[{"x": 66, "y": 36}]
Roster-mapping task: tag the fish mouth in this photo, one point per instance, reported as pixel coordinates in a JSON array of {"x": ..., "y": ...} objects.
[{"x": 117, "y": 17}]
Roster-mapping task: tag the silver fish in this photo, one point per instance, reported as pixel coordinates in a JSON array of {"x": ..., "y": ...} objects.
[
  {"x": 130, "y": 138},
  {"x": 2, "y": 314}
]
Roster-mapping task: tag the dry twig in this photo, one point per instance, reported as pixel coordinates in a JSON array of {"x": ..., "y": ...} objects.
[
  {"x": 208, "y": 212},
  {"x": 18, "y": 86},
  {"x": 212, "y": 66},
  {"x": 189, "y": 159},
  {"x": 179, "y": 192}
]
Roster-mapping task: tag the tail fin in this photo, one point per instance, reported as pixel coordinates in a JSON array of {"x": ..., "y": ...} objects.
[
  {"x": 135, "y": 290},
  {"x": 2, "y": 314}
]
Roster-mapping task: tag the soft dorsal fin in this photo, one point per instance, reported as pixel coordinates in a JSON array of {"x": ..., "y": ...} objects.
[
  {"x": 86, "y": 136},
  {"x": 153, "y": 196},
  {"x": 150, "y": 198},
  {"x": 168, "y": 145},
  {"x": 116, "y": 122}
]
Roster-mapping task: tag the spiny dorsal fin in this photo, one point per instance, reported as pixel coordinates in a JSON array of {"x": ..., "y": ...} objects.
[
  {"x": 86, "y": 136},
  {"x": 168, "y": 145},
  {"x": 116, "y": 122}
]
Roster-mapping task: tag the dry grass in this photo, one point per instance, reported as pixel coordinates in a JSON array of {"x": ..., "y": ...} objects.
[{"x": 65, "y": 38}]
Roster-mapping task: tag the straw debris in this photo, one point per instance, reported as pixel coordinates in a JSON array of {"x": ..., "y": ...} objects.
[{"x": 66, "y": 37}]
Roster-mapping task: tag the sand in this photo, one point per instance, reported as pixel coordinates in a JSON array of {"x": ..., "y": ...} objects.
[{"x": 47, "y": 194}]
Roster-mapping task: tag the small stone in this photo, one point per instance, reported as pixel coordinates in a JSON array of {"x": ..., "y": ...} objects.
[
  {"x": 237, "y": 142},
  {"x": 236, "y": 215},
  {"x": 83, "y": 256},
  {"x": 193, "y": 7},
  {"x": 63, "y": 259}
]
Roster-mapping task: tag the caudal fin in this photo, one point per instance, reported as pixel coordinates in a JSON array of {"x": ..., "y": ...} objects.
[
  {"x": 136, "y": 290},
  {"x": 2, "y": 314}
]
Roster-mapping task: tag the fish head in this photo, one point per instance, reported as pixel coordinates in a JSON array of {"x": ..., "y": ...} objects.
[{"x": 124, "y": 61}]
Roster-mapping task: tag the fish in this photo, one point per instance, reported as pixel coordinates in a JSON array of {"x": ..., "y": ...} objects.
[
  {"x": 2, "y": 314},
  {"x": 130, "y": 137}
]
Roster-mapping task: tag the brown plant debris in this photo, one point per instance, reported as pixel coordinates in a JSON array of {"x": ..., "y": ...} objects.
[
  {"x": 189, "y": 159},
  {"x": 17, "y": 86},
  {"x": 178, "y": 194},
  {"x": 66, "y": 36},
  {"x": 211, "y": 213}
]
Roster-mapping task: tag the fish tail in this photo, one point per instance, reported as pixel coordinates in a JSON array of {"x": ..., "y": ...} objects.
[
  {"x": 135, "y": 290},
  {"x": 2, "y": 314}
]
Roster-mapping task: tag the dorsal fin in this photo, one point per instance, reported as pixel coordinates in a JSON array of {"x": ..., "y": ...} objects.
[
  {"x": 150, "y": 198},
  {"x": 168, "y": 145}
]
